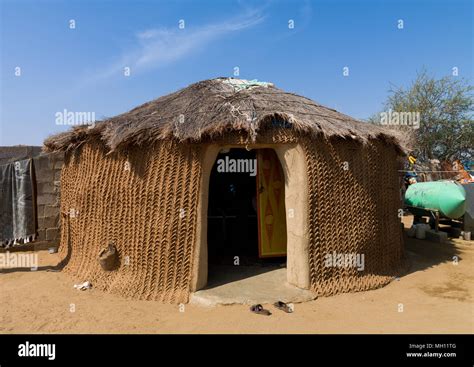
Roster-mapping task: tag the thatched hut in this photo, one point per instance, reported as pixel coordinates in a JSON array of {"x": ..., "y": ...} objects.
[{"x": 143, "y": 181}]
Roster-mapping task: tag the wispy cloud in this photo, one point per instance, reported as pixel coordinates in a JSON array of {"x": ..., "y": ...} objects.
[{"x": 154, "y": 48}]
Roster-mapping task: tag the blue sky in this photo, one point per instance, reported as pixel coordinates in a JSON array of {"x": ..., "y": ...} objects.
[{"x": 81, "y": 69}]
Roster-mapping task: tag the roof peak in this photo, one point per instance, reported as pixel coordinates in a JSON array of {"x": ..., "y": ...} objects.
[{"x": 244, "y": 83}]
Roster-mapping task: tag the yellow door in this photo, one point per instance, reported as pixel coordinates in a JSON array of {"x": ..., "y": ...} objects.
[{"x": 271, "y": 205}]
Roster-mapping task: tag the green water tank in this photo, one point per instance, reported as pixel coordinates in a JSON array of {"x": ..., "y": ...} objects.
[{"x": 448, "y": 197}]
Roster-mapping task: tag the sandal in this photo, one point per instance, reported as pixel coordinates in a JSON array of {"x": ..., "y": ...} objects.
[
  {"x": 259, "y": 310},
  {"x": 283, "y": 306}
]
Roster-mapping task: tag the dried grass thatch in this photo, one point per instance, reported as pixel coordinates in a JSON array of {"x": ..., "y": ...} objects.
[{"x": 213, "y": 107}]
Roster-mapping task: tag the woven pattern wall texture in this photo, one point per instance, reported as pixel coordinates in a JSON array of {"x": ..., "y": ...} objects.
[
  {"x": 353, "y": 202},
  {"x": 146, "y": 205}
]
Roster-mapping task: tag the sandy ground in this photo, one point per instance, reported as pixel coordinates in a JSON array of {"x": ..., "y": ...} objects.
[{"x": 436, "y": 294}]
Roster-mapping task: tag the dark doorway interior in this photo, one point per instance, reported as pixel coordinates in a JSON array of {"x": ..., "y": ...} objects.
[
  {"x": 233, "y": 223},
  {"x": 232, "y": 214}
]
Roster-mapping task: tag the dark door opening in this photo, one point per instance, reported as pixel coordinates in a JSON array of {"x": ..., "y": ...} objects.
[
  {"x": 232, "y": 212},
  {"x": 233, "y": 223}
]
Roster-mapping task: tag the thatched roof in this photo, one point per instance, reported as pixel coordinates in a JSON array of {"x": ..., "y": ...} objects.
[{"x": 213, "y": 107}]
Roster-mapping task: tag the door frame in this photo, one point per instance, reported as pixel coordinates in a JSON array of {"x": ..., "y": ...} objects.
[{"x": 293, "y": 162}]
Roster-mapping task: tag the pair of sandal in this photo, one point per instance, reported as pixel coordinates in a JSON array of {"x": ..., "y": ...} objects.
[{"x": 259, "y": 310}]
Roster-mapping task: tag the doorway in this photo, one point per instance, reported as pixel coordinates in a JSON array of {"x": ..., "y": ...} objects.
[
  {"x": 246, "y": 229},
  {"x": 294, "y": 272}
]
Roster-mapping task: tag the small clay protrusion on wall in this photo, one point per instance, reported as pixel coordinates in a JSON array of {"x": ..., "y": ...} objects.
[{"x": 108, "y": 258}]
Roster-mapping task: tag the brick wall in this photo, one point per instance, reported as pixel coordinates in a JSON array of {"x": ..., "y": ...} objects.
[
  {"x": 48, "y": 175},
  {"x": 18, "y": 152}
]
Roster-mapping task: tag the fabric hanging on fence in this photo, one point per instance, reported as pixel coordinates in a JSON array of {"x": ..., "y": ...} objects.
[{"x": 17, "y": 208}]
